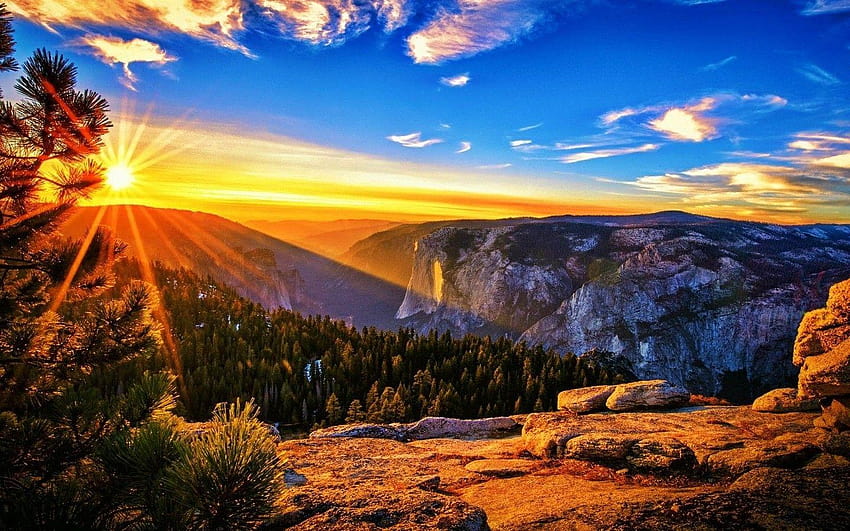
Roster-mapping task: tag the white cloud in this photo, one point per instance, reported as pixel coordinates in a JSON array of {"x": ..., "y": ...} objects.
[
  {"x": 719, "y": 64},
  {"x": 459, "y": 80},
  {"x": 530, "y": 127},
  {"x": 818, "y": 75},
  {"x": 475, "y": 26},
  {"x": 690, "y": 122},
  {"x": 213, "y": 20},
  {"x": 518, "y": 143},
  {"x": 687, "y": 123},
  {"x": 464, "y": 147},
  {"x": 114, "y": 50},
  {"x": 495, "y": 166},
  {"x": 414, "y": 140},
  {"x": 437, "y": 30},
  {"x": 605, "y": 153},
  {"x": 320, "y": 22},
  {"x": 822, "y": 7}
]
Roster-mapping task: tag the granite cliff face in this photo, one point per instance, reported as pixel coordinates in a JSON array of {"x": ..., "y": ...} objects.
[
  {"x": 712, "y": 305},
  {"x": 463, "y": 280}
]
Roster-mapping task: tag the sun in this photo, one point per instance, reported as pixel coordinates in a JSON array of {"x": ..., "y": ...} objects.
[{"x": 119, "y": 176}]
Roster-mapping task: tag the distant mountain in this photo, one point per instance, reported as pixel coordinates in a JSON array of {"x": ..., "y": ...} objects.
[
  {"x": 389, "y": 254},
  {"x": 328, "y": 238},
  {"x": 708, "y": 303},
  {"x": 260, "y": 267}
]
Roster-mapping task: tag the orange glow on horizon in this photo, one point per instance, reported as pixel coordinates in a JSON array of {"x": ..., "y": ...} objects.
[{"x": 246, "y": 176}]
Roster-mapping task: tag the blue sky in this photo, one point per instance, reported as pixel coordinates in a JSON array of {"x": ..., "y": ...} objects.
[{"x": 736, "y": 108}]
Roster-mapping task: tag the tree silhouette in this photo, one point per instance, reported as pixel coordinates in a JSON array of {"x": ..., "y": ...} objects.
[
  {"x": 45, "y": 140},
  {"x": 75, "y": 455}
]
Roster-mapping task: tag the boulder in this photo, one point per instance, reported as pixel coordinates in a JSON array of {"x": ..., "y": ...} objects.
[
  {"x": 839, "y": 300},
  {"x": 442, "y": 427},
  {"x": 836, "y": 414},
  {"x": 501, "y": 468},
  {"x": 395, "y": 432},
  {"x": 585, "y": 399},
  {"x": 546, "y": 434},
  {"x": 426, "y": 428},
  {"x": 647, "y": 394},
  {"x": 784, "y": 400},
  {"x": 600, "y": 448},
  {"x": 826, "y": 374},
  {"x": 660, "y": 454},
  {"x": 781, "y": 454},
  {"x": 819, "y": 331}
]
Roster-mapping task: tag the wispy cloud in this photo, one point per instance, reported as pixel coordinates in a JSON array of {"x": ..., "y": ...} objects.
[
  {"x": 720, "y": 64},
  {"x": 519, "y": 143},
  {"x": 820, "y": 175},
  {"x": 114, "y": 50},
  {"x": 816, "y": 142},
  {"x": 474, "y": 26},
  {"x": 823, "y": 7},
  {"x": 436, "y": 31},
  {"x": 464, "y": 147},
  {"x": 696, "y": 2},
  {"x": 213, "y": 20},
  {"x": 459, "y": 80},
  {"x": 612, "y": 117},
  {"x": 818, "y": 75},
  {"x": 691, "y": 122},
  {"x": 495, "y": 166},
  {"x": 414, "y": 140},
  {"x": 605, "y": 153},
  {"x": 332, "y": 22},
  {"x": 270, "y": 172},
  {"x": 530, "y": 127}
]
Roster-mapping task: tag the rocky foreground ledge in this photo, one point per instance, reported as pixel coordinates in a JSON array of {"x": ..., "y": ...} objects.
[{"x": 693, "y": 468}]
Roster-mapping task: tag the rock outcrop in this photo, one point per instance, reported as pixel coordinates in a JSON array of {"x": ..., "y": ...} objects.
[
  {"x": 585, "y": 399},
  {"x": 784, "y": 400},
  {"x": 822, "y": 350},
  {"x": 644, "y": 394},
  {"x": 462, "y": 279},
  {"x": 720, "y": 440},
  {"x": 426, "y": 428},
  {"x": 651, "y": 394},
  {"x": 708, "y": 468},
  {"x": 710, "y": 305}
]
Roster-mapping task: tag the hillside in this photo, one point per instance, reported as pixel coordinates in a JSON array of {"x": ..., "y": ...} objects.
[
  {"x": 327, "y": 238},
  {"x": 290, "y": 364},
  {"x": 262, "y": 268}
]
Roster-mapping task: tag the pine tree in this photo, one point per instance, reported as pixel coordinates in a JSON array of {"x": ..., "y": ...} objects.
[
  {"x": 52, "y": 424},
  {"x": 55, "y": 123},
  {"x": 355, "y": 413},
  {"x": 333, "y": 409}
]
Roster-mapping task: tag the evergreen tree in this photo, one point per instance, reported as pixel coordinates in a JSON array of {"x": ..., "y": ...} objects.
[
  {"x": 355, "y": 413},
  {"x": 73, "y": 454},
  {"x": 333, "y": 409}
]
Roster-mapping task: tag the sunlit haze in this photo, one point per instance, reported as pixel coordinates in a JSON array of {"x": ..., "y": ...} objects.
[{"x": 410, "y": 110}]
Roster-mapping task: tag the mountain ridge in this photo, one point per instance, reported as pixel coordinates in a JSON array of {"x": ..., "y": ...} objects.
[{"x": 262, "y": 268}]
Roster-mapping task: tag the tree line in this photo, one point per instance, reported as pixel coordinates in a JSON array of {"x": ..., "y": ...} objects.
[{"x": 310, "y": 370}]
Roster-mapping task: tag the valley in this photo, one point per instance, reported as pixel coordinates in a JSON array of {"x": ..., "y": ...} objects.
[{"x": 708, "y": 303}]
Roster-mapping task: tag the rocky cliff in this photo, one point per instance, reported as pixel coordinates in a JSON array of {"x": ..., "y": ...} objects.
[{"x": 709, "y": 304}]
